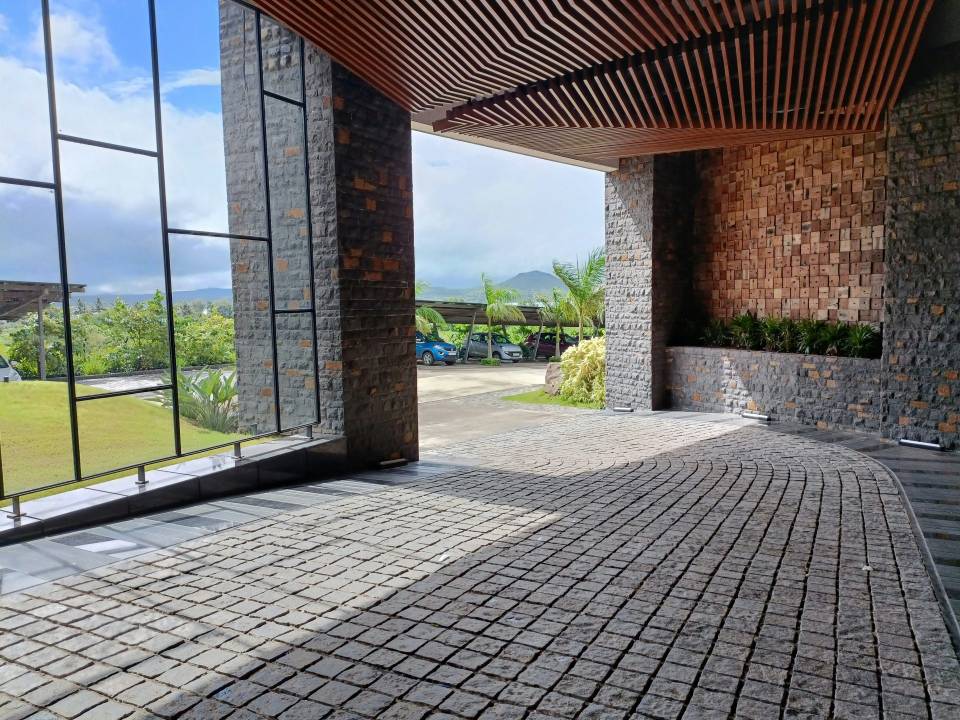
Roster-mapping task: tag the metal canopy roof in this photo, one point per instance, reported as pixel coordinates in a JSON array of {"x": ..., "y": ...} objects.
[
  {"x": 596, "y": 80},
  {"x": 465, "y": 313},
  {"x": 18, "y": 299}
]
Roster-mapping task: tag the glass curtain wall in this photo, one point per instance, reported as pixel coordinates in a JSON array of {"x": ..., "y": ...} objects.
[{"x": 156, "y": 259}]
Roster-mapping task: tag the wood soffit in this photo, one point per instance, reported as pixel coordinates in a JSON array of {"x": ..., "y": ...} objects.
[{"x": 597, "y": 80}]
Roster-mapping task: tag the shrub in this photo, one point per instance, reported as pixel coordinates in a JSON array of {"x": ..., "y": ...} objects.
[
  {"x": 208, "y": 398},
  {"x": 554, "y": 358},
  {"x": 716, "y": 334},
  {"x": 584, "y": 368},
  {"x": 745, "y": 331},
  {"x": 833, "y": 338},
  {"x": 492, "y": 362},
  {"x": 812, "y": 337},
  {"x": 771, "y": 333},
  {"x": 863, "y": 341}
]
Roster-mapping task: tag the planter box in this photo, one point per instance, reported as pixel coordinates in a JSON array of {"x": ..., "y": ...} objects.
[{"x": 829, "y": 392}]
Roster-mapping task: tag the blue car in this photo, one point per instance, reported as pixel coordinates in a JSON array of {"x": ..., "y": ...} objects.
[{"x": 435, "y": 350}]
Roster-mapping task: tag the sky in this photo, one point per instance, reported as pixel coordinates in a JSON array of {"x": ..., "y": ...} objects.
[{"x": 475, "y": 209}]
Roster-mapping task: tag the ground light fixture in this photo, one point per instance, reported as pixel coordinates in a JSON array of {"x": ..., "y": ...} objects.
[
  {"x": 622, "y": 409},
  {"x": 920, "y": 444},
  {"x": 755, "y": 416}
]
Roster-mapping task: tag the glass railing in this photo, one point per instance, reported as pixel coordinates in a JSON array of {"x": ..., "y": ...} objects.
[{"x": 156, "y": 257}]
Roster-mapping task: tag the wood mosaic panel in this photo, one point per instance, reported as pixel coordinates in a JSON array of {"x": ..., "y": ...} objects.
[{"x": 793, "y": 228}]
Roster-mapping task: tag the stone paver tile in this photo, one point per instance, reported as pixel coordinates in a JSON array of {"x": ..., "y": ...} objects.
[{"x": 648, "y": 566}]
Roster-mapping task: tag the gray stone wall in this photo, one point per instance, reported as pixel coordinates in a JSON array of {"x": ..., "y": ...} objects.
[
  {"x": 648, "y": 227},
  {"x": 629, "y": 280},
  {"x": 829, "y": 392},
  {"x": 246, "y": 199},
  {"x": 374, "y": 226},
  {"x": 921, "y": 340},
  {"x": 358, "y": 157}
]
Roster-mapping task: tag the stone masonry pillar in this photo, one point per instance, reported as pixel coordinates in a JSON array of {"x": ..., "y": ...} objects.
[
  {"x": 648, "y": 229},
  {"x": 921, "y": 331},
  {"x": 360, "y": 202}
]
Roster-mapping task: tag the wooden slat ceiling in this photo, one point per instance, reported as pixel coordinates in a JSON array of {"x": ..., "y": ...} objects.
[{"x": 596, "y": 80}]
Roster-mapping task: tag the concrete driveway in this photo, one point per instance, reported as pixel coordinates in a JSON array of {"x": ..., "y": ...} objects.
[
  {"x": 463, "y": 402},
  {"x": 441, "y": 382}
]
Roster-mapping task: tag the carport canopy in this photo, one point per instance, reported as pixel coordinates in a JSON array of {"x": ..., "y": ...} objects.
[
  {"x": 18, "y": 299},
  {"x": 468, "y": 313}
]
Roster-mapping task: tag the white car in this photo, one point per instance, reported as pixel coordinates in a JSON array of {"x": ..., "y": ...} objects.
[{"x": 8, "y": 373}]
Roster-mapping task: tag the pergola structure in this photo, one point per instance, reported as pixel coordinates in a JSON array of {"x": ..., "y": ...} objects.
[
  {"x": 19, "y": 299},
  {"x": 466, "y": 313},
  {"x": 598, "y": 80}
]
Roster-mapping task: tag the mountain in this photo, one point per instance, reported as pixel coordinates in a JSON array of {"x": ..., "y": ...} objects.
[
  {"x": 533, "y": 282},
  {"x": 529, "y": 284}
]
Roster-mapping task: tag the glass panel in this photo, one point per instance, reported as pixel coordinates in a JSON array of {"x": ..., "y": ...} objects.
[
  {"x": 298, "y": 394},
  {"x": 24, "y": 112},
  {"x": 193, "y": 119},
  {"x": 35, "y": 440},
  {"x": 120, "y": 431},
  {"x": 103, "y": 71},
  {"x": 114, "y": 248},
  {"x": 281, "y": 59},
  {"x": 288, "y": 207},
  {"x": 213, "y": 332}
]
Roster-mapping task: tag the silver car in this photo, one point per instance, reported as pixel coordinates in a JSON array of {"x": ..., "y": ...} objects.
[
  {"x": 8, "y": 373},
  {"x": 503, "y": 349}
]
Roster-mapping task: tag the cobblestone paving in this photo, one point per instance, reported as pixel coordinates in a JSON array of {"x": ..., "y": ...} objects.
[{"x": 607, "y": 567}]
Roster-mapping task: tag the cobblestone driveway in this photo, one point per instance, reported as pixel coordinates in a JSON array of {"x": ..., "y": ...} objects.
[{"x": 606, "y": 567}]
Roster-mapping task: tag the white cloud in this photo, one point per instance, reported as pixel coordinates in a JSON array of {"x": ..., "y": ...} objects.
[
  {"x": 4, "y": 24},
  {"x": 77, "y": 39},
  {"x": 110, "y": 197},
  {"x": 199, "y": 77},
  {"x": 482, "y": 210}
]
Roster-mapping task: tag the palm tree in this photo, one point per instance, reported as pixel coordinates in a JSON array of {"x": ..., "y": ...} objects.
[
  {"x": 585, "y": 286},
  {"x": 555, "y": 310},
  {"x": 500, "y": 307},
  {"x": 428, "y": 319}
]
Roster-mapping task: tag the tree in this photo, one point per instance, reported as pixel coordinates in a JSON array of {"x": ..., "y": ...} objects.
[
  {"x": 428, "y": 319},
  {"x": 138, "y": 334},
  {"x": 584, "y": 284},
  {"x": 500, "y": 307},
  {"x": 555, "y": 310}
]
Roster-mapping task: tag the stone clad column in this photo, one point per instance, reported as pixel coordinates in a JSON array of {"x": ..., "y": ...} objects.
[
  {"x": 360, "y": 203},
  {"x": 921, "y": 334},
  {"x": 648, "y": 229}
]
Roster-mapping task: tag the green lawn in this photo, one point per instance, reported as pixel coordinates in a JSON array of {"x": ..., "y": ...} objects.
[
  {"x": 539, "y": 397},
  {"x": 35, "y": 434}
]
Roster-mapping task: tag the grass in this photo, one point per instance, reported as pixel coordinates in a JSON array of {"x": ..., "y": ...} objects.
[
  {"x": 539, "y": 397},
  {"x": 35, "y": 435}
]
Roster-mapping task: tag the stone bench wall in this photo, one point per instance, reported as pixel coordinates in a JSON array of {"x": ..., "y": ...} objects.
[{"x": 829, "y": 392}]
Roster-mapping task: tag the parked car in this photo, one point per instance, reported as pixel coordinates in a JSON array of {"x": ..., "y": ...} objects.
[
  {"x": 548, "y": 343},
  {"x": 8, "y": 371},
  {"x": 434, "y": 350},
  {"x": 503, "y": 349}
]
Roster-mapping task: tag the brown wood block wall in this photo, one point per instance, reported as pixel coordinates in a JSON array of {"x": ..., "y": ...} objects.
[{"x": 793, "y": 228}]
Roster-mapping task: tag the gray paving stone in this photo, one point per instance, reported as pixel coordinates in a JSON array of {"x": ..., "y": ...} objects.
[{"x": 653, "y": 567}]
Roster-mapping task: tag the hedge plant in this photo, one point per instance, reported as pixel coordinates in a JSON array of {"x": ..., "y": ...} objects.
[{"x": 813, "y": 337}]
